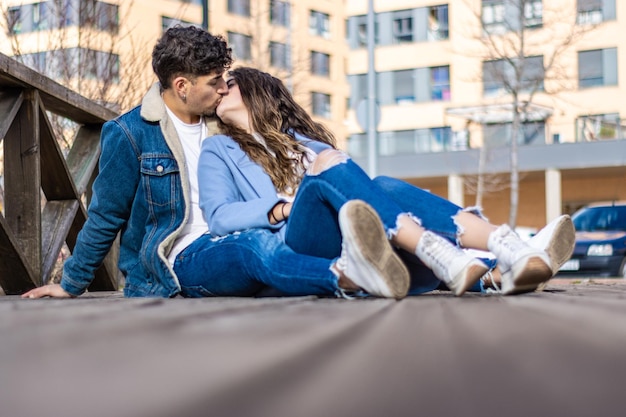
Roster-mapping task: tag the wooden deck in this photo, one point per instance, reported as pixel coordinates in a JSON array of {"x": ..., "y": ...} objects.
[{"x": 556, "y": 353}]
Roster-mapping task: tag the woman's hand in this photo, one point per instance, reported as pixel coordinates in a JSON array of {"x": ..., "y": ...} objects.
[
  {"x": 286, "y": 210},
  {"x": 280, "y": 212},
  {"x": 50, "y": 290}
]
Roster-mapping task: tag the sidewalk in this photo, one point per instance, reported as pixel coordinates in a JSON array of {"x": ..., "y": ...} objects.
[{"x": 555, "y": 353}]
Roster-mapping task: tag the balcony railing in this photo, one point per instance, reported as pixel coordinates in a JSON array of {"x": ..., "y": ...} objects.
[{"x": 44, "y": 190}]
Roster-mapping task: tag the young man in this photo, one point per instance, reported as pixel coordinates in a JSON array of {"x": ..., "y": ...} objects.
[{"x": 147, "y": 189}]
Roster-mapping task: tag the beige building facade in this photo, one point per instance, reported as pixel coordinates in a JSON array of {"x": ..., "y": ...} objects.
[
  {"x": 446, "y": 96},
  {"x": 303, "y": 42}
]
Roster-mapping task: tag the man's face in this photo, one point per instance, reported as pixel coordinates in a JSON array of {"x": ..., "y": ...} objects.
[{"x": 205, "y": 92}]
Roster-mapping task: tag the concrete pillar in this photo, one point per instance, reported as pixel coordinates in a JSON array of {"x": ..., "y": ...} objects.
[
  {"x": 553, "y": 194},
  {"x": 456, "y": 190}
]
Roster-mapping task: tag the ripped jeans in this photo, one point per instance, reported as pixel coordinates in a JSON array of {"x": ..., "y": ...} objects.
[{"x": 313, "y": 226}]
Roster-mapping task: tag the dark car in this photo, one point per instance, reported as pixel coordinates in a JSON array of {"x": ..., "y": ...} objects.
[{"x": 600, "y": 249}]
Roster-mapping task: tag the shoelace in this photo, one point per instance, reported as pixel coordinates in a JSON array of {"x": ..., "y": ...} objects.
[
  {"x": 493, "y": 287},
  {"x": 511, "y": 242},
  {"x": 440, "y": 254}
]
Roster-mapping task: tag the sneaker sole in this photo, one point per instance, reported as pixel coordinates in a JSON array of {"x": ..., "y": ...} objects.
[
  {"x": 529, "y": 276},
  {"x": 471, "y": 275},
  {"x": 561, "y": 246},
  {"x": 380, "y": 263}
]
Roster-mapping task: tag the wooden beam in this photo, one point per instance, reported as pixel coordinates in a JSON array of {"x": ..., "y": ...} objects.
[
  {"x": 22, "y": 181},
  {"x": 56, "y": 181},
  {"x": 57, "y": 98},
  {"x": 57, "y": 220},
  {"x": 16, "y": 277},
  {"x": 82, "y": 159},
  {"x": 10, "y": 102}
]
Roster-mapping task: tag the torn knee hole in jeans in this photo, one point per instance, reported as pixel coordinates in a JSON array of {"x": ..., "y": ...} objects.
[
  {"x": 391, "y": 233},
  {"x": 326, "y": 160},
  {"x": 475, "y": 210}
]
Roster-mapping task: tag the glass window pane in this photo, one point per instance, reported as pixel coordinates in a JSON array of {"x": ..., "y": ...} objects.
[
  {"x": 403, "y": 85},
  {"x": 590, "y": 68}
]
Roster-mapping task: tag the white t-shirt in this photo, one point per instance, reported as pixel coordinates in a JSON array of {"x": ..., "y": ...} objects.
[{"x": 191, "y": 137}]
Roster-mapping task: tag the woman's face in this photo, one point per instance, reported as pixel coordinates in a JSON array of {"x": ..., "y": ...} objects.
[{"x": 231, "y": 109}]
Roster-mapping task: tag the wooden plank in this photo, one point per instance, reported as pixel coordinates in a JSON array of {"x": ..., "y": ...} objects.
[
  {"x": 10, "y": 102},
  {"x": 57, "y": 98},
  {"x": 22, "y": 181},
  {"x": 16, "y": 276},
  {"x": 57, "y": 220},
  {"x": 82, "y": 159},
  {"x": 56, "y": 183}
]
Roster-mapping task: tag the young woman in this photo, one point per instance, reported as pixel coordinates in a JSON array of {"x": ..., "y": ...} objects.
[{"x": 276, "y": 168}]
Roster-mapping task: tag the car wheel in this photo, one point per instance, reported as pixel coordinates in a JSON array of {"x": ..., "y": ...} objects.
[{"x": 622, "y": 269}]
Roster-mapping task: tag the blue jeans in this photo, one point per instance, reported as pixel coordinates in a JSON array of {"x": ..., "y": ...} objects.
[
  {"x": 248, "y": 263},
  {"x": 313, "y": 227}
]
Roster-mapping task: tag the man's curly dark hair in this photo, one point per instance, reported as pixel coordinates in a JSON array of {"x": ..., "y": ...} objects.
[{"x": 189, "y": 51}]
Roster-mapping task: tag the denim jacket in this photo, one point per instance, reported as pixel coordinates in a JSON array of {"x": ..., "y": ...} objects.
[{"x": 142, "y": 190}]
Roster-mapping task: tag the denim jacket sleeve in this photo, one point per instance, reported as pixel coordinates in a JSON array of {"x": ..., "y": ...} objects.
[
  {"x": 113, "y": 192},
  {"x": 235, "y": 193}
]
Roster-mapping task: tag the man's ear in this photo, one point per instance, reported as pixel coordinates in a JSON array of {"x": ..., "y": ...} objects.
[{"x": 179, "y": 84}]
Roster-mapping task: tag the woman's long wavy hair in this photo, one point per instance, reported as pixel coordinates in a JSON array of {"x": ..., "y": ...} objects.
[{"x": 275, "y": 116}]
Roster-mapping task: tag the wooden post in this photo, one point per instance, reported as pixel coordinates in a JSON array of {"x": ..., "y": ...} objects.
[{"x": 22, "y": 192}]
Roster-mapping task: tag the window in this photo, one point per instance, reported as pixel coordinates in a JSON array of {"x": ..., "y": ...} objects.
[
  {"x": 319, "y": 24},
  {"x": 103, "y": 16},
  {"x": 99, "y": 65},
  {"x": 493, "y": 15},
  {"x": 241, "y": 44},
  {"x": 499, "y": 76},
  {"x": 499, "y": 134},
  {"x": 500, "y": 16},
  {"x": 279, "y": 13},
  {"x": 41, "y": 16},
  {"x": 595, "y": 11},
  {"x": 357, "y": 31},
  {"x": 240, "y": 7},
  {"x": 403, "y": 26},
  {"x": 320, "y": 63},
  {"x": 438, "y": 23},
  {"x": 80, "y": 62},
  {"x": 403, "y": 86},
  {"x": 321, "y": 104},
  {"x": 279, "y": 55},
  {"x": 533, "y": 13},
  {"x": 358, "y": 89},
  {"x": 168, "y": 22},
  {"x": 599, "y": 127},
  {"x": 435, "y": 139},
  {"x": 14, "y": 20},
  {"x": 107, "y": 16},
  {"x": 440, "y": 83},
  {"x": 65, "y": 12},
  {"x": 597, "y": 68}
]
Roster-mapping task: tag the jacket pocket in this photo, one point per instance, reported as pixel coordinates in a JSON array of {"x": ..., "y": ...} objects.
[{"x": 160, "y": 179}]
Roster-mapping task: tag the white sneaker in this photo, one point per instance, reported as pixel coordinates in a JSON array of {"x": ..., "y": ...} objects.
[
  {"x": 523, "y": 267},
  {"x": 457, "y": 269},
  {"x": 557, "y": 239},
  {"x": 367, "y": 257}
]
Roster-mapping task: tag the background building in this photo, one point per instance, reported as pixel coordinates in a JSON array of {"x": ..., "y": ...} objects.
[
  {"x": 102, "y": 48},
  {"x": 449, "y": 79},
  {"x": 444, "y": 90}
]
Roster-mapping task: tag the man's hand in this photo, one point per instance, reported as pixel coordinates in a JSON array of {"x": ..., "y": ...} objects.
[{"x": 50, "y": 290}]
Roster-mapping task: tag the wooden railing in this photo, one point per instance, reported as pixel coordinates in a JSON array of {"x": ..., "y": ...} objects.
[{"x": 33, "y": 229}]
